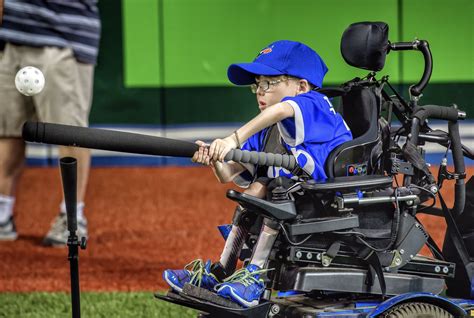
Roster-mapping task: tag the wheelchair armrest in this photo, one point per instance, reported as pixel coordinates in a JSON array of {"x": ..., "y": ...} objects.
[
  {"x": 285, "y": 210},
  {"x": 348, "y": 184}
]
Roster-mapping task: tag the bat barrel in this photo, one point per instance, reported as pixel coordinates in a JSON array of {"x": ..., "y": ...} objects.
[{"x": 94, "y": 138}]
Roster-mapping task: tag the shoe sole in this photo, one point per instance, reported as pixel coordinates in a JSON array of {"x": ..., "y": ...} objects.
[
  {"x": 236, "y": 298},
  {"x": 8, "y": 237},
  {"x": 172, "y": 285},
  {"x": 53, "y": 243}
]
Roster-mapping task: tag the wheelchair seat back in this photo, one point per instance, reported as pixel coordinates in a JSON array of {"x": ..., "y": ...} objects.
[{"x": 363, "y": 45}]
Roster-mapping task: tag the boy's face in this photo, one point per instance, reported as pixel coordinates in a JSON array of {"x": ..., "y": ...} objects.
[{"x": 272, "y": 89}]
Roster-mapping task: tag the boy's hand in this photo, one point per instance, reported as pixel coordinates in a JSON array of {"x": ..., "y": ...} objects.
[
  {"x": 202, "y": 155},
  {"x": 220, "y": 147}
]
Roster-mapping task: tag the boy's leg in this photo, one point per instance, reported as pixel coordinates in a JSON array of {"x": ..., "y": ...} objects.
[
  {"x": 238, "y": 287},
  {"x": 270, "y": 230},
  {"x": 265, "y": 242},
  {"x": 233, "y": 245},
  {"x": 246, "y": 286},
  {"x": 211, "y": 275},
  {"x": 240, "y": 228}
]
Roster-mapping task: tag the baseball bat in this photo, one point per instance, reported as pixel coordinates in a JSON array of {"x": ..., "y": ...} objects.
[{"x": 94, "y": 138}]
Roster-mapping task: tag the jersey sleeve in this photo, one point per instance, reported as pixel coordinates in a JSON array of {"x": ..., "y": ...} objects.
[{"x": 315, "y": 120}]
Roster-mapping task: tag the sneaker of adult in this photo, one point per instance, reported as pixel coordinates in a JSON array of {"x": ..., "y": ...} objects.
[
  {"x": 244, "y": 287},
  {"x": 196, "y": 273},
  {"x": 58, "y": 233},
  {"x": 8, "y": 230}
]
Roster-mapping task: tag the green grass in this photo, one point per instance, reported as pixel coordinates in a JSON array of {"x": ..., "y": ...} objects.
[{"x": 142, "y": 304}]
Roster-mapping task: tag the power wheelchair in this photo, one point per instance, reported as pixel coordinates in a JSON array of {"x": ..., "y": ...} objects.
[{"x": 349, "y": 246}]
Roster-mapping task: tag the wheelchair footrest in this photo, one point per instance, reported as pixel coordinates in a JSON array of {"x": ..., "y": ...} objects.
[
  {"x": 215, "y": 310},
  {"x": 204, "y": 294}
]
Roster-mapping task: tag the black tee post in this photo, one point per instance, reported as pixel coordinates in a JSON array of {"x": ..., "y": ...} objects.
[{"x": 69, "y": 179}]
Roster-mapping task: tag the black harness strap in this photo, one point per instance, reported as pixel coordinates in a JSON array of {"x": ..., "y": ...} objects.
[
  {"x": 375, "y": 268},
  {"x": 415, "y": 158},
  {"x": 272, "y": 143},
  {"x": 435, "y": 250}
]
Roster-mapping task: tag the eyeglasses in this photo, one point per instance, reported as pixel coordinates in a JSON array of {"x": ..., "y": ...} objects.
[{"x": 265, "y": 85}]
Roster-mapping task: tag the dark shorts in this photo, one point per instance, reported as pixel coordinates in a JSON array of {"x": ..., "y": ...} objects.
[
  {"x": 270, "y": 184},
  {"x": 263, "y": 180}
]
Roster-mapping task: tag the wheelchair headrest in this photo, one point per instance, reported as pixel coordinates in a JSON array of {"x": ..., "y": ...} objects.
[{"x": 365, "y": 45}]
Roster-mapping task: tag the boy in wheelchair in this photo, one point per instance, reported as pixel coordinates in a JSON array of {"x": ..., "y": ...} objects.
[{"x": 294, "y": 118}]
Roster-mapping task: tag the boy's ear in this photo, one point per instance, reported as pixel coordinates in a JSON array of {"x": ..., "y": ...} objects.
[{"x": 303, "y": 86}]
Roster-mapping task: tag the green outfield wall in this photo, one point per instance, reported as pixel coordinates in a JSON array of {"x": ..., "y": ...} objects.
[{"x": 164, "y": 62}]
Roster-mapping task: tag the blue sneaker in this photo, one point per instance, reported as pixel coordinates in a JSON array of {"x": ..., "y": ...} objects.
[
  {"x": 244, "y": 287},
  {"x": 196, "y": 273}
]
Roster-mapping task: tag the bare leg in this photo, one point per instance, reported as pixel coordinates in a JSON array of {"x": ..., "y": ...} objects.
[
  {"x": 257, "y": 190},
  {"x": 83, "y": 166},
  {"x": 265, "y": 242},
  {"x": 12, "y": 157}
]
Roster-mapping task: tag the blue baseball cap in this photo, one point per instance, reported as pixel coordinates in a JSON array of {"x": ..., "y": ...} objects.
[{"x": 281, "y": 58}]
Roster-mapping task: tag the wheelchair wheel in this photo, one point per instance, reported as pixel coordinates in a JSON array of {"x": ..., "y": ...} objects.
[{"x": 416, "y": 310}]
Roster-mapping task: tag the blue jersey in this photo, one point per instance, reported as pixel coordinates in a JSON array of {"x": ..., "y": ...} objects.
[{"x": 310, "y": 135}]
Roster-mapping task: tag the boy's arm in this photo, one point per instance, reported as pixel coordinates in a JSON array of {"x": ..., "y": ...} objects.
[
  {"x": 226, "y": 171},
  {"x": 271, "y": 115}
]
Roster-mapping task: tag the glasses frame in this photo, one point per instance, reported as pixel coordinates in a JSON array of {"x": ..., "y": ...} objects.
[{"x": 254, "y": 87}]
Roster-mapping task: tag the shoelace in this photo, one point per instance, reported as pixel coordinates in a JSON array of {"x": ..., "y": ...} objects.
[
  {"x": 245, "y": 277},
  {"x": 197, "y": 268}
]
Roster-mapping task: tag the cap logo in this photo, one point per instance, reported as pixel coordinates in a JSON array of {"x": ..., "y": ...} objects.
[{"x": 265, "y": 51}]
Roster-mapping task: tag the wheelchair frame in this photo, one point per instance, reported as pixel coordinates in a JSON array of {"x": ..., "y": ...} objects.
[{"x": 331, "y": 282}]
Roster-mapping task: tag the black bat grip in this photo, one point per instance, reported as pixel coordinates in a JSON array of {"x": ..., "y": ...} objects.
[
  {"x": 69, "y": 178},
  {"x": 262, "y": 158}
]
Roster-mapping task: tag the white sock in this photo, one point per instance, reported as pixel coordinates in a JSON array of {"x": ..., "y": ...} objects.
[
  {"x": 264, "y": 245},
  {"x": 79, "y": 209},
  {"x": 233, "y": 246},
  {"x": 6, "y": 207}
]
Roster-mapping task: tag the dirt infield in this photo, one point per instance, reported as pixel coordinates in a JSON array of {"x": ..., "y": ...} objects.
[{"x": 141, "y": 221}]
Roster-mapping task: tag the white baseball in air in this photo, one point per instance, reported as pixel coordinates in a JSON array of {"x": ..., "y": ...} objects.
[{"x": 29, "y": 81}]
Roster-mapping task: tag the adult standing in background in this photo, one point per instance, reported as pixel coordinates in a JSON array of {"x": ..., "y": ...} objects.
[{"x": 61, "y": 38}]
